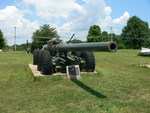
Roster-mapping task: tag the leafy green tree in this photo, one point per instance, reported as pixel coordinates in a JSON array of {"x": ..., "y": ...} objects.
[
  {"x": 135, "y": 33},
  {"x": 2, "y": 40},
  {"x": 147, "y": 43},
  {"x": 104, "y": 34},
  {"x": 42, "y": 35},
  {"x": 118, "y": 39},
  {"x": 104, "y": 37},
  {"x": 93, "y": 33}
]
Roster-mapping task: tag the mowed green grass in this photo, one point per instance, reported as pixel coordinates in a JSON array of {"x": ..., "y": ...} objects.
[{"x": 120, "y": 86}]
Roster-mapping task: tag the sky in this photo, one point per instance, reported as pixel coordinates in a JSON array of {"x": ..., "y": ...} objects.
[{"x": 68, "y": 16}]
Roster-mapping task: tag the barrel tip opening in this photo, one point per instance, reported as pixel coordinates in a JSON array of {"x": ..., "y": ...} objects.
[{"x": 113, "y": 47}]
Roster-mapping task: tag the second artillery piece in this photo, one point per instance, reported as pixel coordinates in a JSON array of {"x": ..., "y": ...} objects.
[{"x": 56, "y": 55}]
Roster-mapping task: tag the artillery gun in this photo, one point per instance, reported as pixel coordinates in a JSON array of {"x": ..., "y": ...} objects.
[{"x": 56, "y": 55}]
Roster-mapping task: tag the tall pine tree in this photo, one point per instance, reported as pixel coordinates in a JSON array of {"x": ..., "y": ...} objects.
[{"x": 42, "y": 35}]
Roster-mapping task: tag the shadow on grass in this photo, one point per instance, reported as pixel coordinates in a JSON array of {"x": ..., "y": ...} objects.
[{"x": 88, "y": 89}]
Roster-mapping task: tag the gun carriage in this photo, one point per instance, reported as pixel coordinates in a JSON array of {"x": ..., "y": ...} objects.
[{"x": 56, "y": 55}]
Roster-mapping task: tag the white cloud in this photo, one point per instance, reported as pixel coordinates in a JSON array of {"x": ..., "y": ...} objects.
[
  {"x": 50, "y": 9},
  {"x": 122, "y": 19},
  {"x": 76, "y": 16},
  {"x": 107, "y": 10},
  {"x": 11, "y": 17},
  {"x": 67, "y": 16},
  {"x": 70, "y": 9},
  {"x": 88, "y": 14}
]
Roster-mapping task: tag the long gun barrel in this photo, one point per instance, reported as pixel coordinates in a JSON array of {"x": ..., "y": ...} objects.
[
  {"x": 98, "y": 46},
  {"x": 55, "y": 56}
]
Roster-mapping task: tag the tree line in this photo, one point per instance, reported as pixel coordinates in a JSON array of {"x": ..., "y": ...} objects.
[{"x": 135, "y": 34}]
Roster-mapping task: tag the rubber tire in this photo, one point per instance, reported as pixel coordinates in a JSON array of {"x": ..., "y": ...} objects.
[
  {"x": 47, "y": 66},
  {"x": 35, "y": 56},
  {"x": 89, "y": 59},
  {"x": 39, "y": 60}
]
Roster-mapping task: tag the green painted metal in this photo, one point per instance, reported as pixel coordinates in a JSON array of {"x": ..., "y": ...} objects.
[{"x": 97, "y": 46}]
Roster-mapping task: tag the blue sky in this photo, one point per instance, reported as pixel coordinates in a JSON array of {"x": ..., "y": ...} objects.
[
  {"x": 68, "y": 16},
  {"x": 139, "y": 8}
]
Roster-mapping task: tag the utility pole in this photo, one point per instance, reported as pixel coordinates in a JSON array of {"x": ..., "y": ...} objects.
[
  {"x": 27, "y": 44},
  {"x": 15, "y": 38},
  {"x": 111, "y": 34}
]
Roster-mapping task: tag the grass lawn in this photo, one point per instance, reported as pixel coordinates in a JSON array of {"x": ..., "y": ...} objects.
[{"x": 120, "y": 86}]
